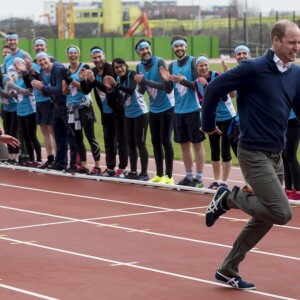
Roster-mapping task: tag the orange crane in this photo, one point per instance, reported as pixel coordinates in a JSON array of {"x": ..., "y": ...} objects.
[
  {"x": 143, "y": 19},
  {"x": 48, "y": 18}
]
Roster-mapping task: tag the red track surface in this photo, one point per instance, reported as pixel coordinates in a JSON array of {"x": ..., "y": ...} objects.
[{"x": 75, "y": 239}]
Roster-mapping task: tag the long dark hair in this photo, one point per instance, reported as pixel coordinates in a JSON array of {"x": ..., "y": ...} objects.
[{"x": 118, "y": 60}]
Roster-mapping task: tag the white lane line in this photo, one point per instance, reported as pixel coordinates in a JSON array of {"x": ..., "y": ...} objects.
[
  {"x": 115, "y": 226},
  {"x": 40, "y": 296},
  {"x": 81, "y": 196},
  {"x": 140, "y": 267},
  {"x": 123, "y": 202}
]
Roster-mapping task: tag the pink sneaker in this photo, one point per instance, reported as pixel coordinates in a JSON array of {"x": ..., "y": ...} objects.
[{"x": 294, "y": 195}]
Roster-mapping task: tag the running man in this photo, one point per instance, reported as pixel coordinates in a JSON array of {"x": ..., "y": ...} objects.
[{"x": 268, "y": 88}]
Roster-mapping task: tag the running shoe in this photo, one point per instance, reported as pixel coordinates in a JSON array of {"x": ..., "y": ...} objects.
[
  {"x": 214, "y": 186},
  {"x": 167, "y": 180},
  {"x": 186, "y": 182},
  {"x": 133, "y": 175},
  {"x": 215, "y": 209},
  {"x": 107, "y": 173},
  {"x": 235, "y": 282},
  {"x": 143, "y": 177},
  {"x": 95, "y": 171},
  {"x": 197, "y": 183},
  {"x": 224, "y": 185},
  {"x": 45, "y": 165},
  {"x": 81, "y": 170},
  {"x": 56, "y": 167},
  {"x": 294, "y": 195},
  {"x": 120, "y": 174},
  {"x": 156, "y": 179}
]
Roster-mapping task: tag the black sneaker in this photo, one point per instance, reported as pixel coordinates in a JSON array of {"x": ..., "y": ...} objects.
[
  {"x": 215, "y": 209},
  {"x": 45, "y": 165},
  {"x": 143, "y": 177},
  {"x": 186, "y": 182},
  {"x": 235, "y": 282},
  {"x": 134, "y": 176},
  {"x": 55, "y": 167}
]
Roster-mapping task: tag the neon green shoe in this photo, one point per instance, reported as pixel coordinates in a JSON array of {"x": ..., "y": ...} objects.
[
  {"x": 167, "y": 180},
  {"x": 156, "y": 179}
]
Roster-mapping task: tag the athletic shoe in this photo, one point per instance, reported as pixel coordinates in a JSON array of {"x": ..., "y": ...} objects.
[
  {"x": 167, "y": 180},
  {"x": 247, "y": 189},
  {"x": 197, "y": 183},
  {"x": 143, "y": 177},
  {"x": 107, "y": 173},
  {"x": 156, "y": 179},
  {"x": 45, "y": 165},
  {"x": 215, "y": 209},
  {"x": 11, "y": 162},
  {"x": 288, "y": 192},
  {"x": 224, "y": 185},
  {"x": 186, "y": 182},
  {"x": 133, "y": 176},
  {"x": 120, "y": 174},
  {"x": 214, "y": 186},
  {"x": 56, "y": 167},
  {"x": 95, "y": 171},
  {"x": 36, "y": 164},
  {"x": 294, "y": 195},
  {"x": 81, "y": 170},
  {"x": 235, "y": 282}
]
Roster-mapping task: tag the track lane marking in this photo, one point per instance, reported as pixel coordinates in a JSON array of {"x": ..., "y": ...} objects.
[
  {"x": 87, "y": 221},
  {"x": 110, "y": 261}
]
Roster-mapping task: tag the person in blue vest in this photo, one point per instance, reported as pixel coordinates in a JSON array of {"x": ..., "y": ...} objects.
[
  {"x": 125, "y": 90},
  {"x": 12, "y": 40},
  {"x": 9, "y": 115},
  {"x": 26, "y": 117},
  {"x": 44, "y": 103},
  {"x": 160, "y": 111},
  {"x": 50, "y": 83},
  {"x": 81, "y": 115},
  {"x": 186, "y": 112},
  {"x": 219, "y": 144},
  {"x": 112, "y": 115},
  {"x": 268, "y": 88}
]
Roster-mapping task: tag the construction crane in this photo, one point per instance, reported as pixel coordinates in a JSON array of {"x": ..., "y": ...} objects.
[
  {"x": 65, "y": 30},
  {"x": 48, "y": 18},
  {"x": 143, "y": 19}
]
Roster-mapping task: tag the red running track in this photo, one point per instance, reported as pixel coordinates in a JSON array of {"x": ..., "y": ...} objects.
[{"x": 75, "y": 239}]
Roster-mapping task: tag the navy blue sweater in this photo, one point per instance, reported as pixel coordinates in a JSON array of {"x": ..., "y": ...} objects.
[{"x": 265, "y": 99}]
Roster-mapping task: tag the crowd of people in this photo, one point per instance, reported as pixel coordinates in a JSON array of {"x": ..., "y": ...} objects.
[
  {"x": 186, "y": 99},
  {"x": 44, "y": 92}
]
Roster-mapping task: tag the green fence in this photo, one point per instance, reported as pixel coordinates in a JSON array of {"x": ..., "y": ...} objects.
[{"x": 124, "y": 47}]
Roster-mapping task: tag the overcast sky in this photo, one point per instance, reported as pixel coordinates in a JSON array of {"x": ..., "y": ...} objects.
[{"x": 34, "y": 8}]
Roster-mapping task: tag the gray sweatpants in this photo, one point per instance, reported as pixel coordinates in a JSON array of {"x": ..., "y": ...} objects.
[{"x": 263, "y": 171}]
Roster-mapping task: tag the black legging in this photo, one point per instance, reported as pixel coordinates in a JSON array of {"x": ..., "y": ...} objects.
[
  {"x": 215, "y": 139},
  {"x": 161, "y": 125},
  {"x": 290, "y": 161},
  {"x": 136, "y": 132},
  {"x": 10, "y": 125},
  {"x": 28, "y": 128},
  {"x": 87, "y": 119},
  {"x": 114, "y": 140}
]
